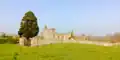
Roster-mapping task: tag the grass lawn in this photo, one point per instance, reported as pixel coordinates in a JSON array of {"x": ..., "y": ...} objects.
[{"x": 68, "y": 51}]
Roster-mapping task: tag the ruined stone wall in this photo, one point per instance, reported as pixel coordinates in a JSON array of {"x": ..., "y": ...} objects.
[
  {"x": 62, "y": 36},
  {"x": 48, "y": 34}
]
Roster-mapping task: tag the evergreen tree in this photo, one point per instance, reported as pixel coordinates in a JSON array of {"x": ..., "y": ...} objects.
[
  {"x": 72, "y": 35},
  {"x": 29, "y": 27}
]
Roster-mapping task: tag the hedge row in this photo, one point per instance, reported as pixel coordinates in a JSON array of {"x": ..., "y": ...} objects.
[{"x": 9, "y": 40}]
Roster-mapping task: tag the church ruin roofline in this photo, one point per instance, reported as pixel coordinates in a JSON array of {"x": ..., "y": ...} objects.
[
  {"x": 52, "y": 29},
  {"x": 46, "y": 27},
  {"x": 62, "y": 33}
]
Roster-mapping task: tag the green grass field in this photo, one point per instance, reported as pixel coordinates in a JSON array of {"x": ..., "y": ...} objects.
[{"x": 68, "y": 51}]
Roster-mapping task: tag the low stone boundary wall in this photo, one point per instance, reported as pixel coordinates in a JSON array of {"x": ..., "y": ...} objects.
[
  {"x": 37, "y": 42},
  {"x": 42, "y": 42}
]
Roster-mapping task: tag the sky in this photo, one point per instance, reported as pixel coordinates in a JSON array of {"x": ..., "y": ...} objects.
[{"x": 92, "y": 17}]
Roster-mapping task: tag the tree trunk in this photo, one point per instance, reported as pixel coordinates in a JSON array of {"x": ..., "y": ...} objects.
[{"x": 27, "y": 43}]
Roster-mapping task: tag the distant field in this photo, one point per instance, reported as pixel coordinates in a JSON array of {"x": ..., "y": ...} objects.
[{"x": 67, "y": 51}]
